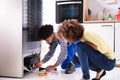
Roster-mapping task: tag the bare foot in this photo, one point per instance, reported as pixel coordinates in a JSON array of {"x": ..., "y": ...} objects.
[
  {"x": 100, "y": 74},
  {"x": 117, "y": 65}
]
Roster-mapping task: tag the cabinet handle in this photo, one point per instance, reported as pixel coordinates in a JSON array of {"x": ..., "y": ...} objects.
[
  {"x": 69, "y": 2},
  {"x": 107, "y": 25}
]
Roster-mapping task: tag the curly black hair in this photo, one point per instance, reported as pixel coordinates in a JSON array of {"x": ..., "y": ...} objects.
[
  {"x": 45, "y": 31},
  {"x": 71, "y": 30}
]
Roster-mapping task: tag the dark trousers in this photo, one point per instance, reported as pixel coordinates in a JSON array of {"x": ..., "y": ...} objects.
[
  {"x": 92, "y": 59},
  {"x": 71, "y": 57}
]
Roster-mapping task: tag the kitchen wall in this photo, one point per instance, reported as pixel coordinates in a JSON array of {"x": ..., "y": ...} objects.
[{"x": 100, "y": 5}]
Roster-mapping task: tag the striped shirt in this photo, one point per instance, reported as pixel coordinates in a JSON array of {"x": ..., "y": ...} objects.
[{"x": 52, "y": 48}]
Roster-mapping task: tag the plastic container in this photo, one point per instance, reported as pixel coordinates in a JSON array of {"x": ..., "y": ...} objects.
[
  {"x": 118, "y": 10},
  {"x": 89, "y": 17},
  {"x": 118, "y": 14},
  {"x": 118, "y": 17}
]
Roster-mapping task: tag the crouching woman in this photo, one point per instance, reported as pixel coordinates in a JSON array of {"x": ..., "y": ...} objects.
[{"x": 93, "y": 52}]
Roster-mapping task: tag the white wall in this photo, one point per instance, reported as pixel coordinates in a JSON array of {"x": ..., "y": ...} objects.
[{"x": 97, "y": 7}]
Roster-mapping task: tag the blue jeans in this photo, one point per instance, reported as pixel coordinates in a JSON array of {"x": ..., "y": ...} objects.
[
  {"x": 71, "y": 57},
  {"x": 92, "y": 59}
]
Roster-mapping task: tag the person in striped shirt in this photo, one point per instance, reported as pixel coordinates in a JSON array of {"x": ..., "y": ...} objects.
[{"x": 64, "y": 59}]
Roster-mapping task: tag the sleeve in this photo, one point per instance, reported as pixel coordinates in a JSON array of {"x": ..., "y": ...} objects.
[
  {"x": 51, "y": 51},
  {"x": 63, "y": 52},
  {"x": 96, "y": 40}
]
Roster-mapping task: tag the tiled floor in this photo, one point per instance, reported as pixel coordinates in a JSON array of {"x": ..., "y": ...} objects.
[{"x": 59, "y": 75}]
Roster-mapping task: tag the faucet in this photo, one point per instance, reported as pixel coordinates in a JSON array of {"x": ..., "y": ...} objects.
[{"x": 104, "y": 13}]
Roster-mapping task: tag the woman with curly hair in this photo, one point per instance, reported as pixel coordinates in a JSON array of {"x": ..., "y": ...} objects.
[{"x": 93, "y": 52}]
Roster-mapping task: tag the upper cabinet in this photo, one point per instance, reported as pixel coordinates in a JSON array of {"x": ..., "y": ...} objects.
[{"x": 100, "y": 10}]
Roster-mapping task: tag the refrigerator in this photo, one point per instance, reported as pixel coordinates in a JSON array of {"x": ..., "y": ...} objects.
[{"x": 18, "y": 36}]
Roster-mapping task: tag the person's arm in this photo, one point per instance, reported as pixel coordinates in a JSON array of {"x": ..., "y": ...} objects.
[
  {"x": 61, "y": 57},
  {"x": 63, "y": 53},
  {"x": 51, "y": 51},
  {"x": 92, "y": 45}
]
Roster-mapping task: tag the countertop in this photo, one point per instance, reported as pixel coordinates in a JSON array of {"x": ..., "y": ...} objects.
[{"x": 102, "y": 21}]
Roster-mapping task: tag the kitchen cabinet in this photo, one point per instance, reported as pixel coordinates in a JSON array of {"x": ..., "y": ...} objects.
[
  {"x": 117, "y": 40},
  {"x": 105, "y": 30}
]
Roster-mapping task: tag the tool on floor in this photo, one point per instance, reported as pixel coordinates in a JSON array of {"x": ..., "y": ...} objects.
[{"x": 42, "y": 74}]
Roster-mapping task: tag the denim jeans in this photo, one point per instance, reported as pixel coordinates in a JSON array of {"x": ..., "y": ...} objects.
[
  {"x": 71, "y": 57},
  {"x": 92, "y": 59}
]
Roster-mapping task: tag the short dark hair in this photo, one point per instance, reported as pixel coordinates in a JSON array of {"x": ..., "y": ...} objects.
[{"x": 45, "y": 31}]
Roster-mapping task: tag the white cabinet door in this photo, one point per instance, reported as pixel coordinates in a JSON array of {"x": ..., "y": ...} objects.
[
  {"x": 117, "y": 40},
  {"x": 105, "y": 30}
]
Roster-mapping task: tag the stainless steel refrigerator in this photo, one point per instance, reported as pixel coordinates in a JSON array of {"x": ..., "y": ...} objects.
[{"x": 18, "y": 35}]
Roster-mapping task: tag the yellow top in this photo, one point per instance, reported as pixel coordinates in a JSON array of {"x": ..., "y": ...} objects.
[{"x": 102, "y": 46}]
